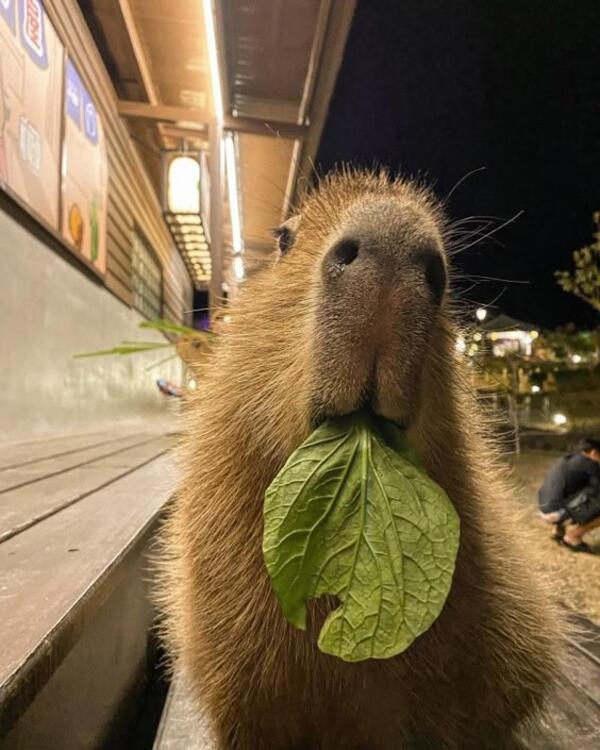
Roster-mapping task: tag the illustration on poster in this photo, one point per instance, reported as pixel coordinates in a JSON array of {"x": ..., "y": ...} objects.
[{"x": 32, "y": 32}]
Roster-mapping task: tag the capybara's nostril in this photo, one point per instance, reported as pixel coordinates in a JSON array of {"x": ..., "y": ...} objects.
[{"x": 344, "y": 252}]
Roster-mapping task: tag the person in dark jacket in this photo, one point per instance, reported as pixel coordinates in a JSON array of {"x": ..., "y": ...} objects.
[{"x": 570, "y": 494}]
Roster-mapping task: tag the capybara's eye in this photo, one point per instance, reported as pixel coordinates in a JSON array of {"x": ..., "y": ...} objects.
[{"x": 285, "y": 239}]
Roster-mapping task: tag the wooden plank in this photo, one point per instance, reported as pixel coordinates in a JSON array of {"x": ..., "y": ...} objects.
[
  {"x": 572, "y": 718},
  {"x": 117, "y": 287},
  {"x": 119, "y": 267},
  {"x": 28, "y": 505},
  {"x": 57, "y": 573},
  {"x": 570, "y": 721},
  {"x": 135, "y": 455},
  {"x": 118, "y": 271},
  {"x": 121, "y": 215},
  {"x": 119, "y": 241},
  {"x": 21, "y": 454},
  {"x": 48, "y": 467},
  {"x": 138, "y": 51},
  {"x": 183, "y": 725},
  {"x": 163, "y": 113},
  {"x": 584, "y": 674},
  {"x": 587, "y": 635}
]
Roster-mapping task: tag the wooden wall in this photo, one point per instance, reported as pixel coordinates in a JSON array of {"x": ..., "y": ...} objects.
[{"x": 131, "y": 197}]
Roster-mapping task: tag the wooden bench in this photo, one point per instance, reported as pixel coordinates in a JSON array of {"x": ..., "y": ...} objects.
[
  {"x": 77, "y": 514},
  {"x": 572, "y": 719},
  {"x": 182, "y": 726}
]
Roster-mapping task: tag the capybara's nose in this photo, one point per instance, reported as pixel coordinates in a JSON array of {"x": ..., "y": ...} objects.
[{"x": 371, "y": 255}]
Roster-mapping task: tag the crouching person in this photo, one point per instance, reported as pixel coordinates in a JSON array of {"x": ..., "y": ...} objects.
[{"x": 569, "y": 496}]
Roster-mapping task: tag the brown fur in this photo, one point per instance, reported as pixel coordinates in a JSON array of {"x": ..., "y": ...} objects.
[{"x": 297, "y": 350}]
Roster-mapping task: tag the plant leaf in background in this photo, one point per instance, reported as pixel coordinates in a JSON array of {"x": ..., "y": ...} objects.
[
  {"x": 352, "y": 515},
  {"x": 124, "y": 348},
  {"x": 167, "y": 327},
  {"x": 164, "y": 326}
]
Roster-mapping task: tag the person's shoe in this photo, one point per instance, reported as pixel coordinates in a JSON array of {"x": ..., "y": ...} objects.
[
  {"x": 558, "y": 532},
  {"x": 579, "y": 547}
]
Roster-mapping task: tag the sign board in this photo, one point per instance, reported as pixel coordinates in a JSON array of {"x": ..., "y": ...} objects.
[
  {"x": 31, "y": 79},
  {"x": 84, "y": 172}
]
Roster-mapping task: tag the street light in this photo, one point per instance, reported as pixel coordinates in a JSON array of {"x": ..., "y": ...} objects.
[
  {"x": 183, "y": 177},
  {"x": 238, "y": 267},
  {"x": 183, "y": 185},
  {"x": 481, "y": 314}
]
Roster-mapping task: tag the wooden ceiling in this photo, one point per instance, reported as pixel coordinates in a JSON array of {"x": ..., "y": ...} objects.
[
  {"x": 174, "y": 45},
  {"x": 278, "y": 60},
  {"x": 269, "y": 44}
]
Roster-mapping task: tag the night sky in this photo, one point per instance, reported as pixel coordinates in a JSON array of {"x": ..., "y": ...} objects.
[{"x": 442, "y": 87}]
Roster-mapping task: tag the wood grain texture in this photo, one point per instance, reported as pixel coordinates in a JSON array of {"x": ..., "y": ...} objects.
[
  {"x": 33, "y": 502},
  {"x": 13, "y": 478},
  {"x": 572, "y": 717},
  {"x": 23, "y": 453},
  {"x": 183, "y": 725},
  {"x": 56, "y": 574}
]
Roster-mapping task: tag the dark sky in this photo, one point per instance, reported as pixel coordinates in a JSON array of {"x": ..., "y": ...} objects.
[{"x": 442, "y": 87}]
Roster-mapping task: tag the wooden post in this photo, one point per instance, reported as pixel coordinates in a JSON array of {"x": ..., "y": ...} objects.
[
  {"x": 514, "y": 403},
  {"x": 216, "y": 216}
]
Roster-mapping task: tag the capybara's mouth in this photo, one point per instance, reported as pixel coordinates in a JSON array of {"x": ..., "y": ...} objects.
[
  {"x": 367, "y": 400},
  {"x": 322, "y": 415}
]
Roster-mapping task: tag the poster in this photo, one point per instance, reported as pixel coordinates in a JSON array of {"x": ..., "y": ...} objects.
[
  {"x": 84, "y": 172},
  {"x": 31, "y": 77}
]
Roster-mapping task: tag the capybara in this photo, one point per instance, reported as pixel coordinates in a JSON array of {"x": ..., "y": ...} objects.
[{"x": 355, "y": 311}]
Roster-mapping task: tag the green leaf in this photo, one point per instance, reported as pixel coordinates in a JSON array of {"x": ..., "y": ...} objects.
[
  {"x": 352, "y": 514},
  {"x": 125, "y": 348},
  {"x": 167, "y": 327}
]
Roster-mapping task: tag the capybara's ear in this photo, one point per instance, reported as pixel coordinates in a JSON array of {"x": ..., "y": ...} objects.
[{"x": 286, "y": 234}]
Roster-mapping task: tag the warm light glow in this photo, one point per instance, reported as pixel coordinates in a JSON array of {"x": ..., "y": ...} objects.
[
  {"x": 189, "y": 230},
  {"x": 183, "y": 185},
  {"x": 187, "y": 220},
  {"x": 238, "y": 267},
  {"x": 559, "y": 419},
  {"x": 213, "y": 57},
  {"x": 461, "y": 344},
  {"x": 481, "y": 314},
  {"x": 477, "y": 336},
  {"x": 576, "y": 359},
  {"x": 234, "y": 201},
  {"x": 534, "y": 334},
  {"x": 535, "y": 389},
  {"x": 524, "y": 338}
]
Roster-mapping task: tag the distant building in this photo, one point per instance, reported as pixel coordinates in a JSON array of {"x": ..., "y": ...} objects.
[{"x": 507, "y": 335}]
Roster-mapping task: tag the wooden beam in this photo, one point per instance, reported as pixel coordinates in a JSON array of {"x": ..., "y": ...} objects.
[
  {"x": 192, "y": 133},
  {"x": 216, "y": 169},
  {"x": 330, "y": 60},
  {"x": 271, "y": 128},
  {"x": 138, "y": 51},
  {"x": 195, "y": 120},
  {"x": 162, "y": 113},
  {"x": 141, "y": 60}
]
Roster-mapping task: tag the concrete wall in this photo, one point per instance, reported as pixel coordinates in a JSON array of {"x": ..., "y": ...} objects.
[{"x": 50, "y": 310}]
